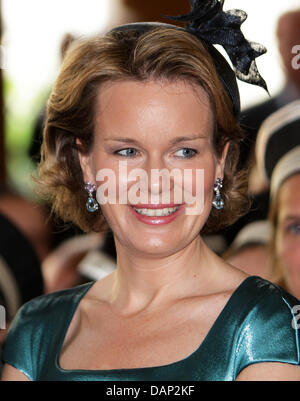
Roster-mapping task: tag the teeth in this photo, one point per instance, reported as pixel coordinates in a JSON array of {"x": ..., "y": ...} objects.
[{"x": 157, "y": 212}]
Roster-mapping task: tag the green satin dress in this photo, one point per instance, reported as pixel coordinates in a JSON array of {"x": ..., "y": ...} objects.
[{"x": 259, "y": 323}]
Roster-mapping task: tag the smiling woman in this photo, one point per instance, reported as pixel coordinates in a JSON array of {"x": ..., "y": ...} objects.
[
  {"x": 155, "y": 56},
  {"x": 154, "y": 119},
  {"x": 160, "y": 98}
]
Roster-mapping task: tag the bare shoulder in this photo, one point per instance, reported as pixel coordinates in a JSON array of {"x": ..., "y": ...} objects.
[
  {"x": 270, "y": 371},
  {"x": 10, "y": 373},
  {"x": 229, "y": 277}
]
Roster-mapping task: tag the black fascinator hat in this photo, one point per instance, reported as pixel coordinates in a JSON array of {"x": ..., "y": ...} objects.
[{"x": 213, "y": 26}]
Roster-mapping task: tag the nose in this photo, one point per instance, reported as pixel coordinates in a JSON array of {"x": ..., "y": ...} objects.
[{"x": 160, "y": 180}]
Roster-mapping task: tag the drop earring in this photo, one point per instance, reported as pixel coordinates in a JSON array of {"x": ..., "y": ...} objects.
[
  {"x": 91, "y": 204},
  {"x": 218, "y": 201}
]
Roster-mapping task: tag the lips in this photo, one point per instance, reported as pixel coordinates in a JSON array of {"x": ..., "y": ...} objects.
[{"x": 152, "y": 206}]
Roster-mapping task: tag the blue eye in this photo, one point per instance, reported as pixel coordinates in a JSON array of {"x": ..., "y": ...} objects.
[
  {"x": 128, "y": 152},
  {"x": 187, "y": 153},
  {"x": 294, "y": 228}
]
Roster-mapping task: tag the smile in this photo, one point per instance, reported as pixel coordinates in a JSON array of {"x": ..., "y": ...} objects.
[{"x": 157, "y": 212}]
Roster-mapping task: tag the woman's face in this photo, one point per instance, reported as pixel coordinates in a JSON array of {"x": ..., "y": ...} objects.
[
  {"x": 288, "y": 233},
  {"x": 147, "y": 126}
]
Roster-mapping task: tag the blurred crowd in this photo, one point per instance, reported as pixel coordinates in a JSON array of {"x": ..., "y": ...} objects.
[{"x": 39, "y": 254}]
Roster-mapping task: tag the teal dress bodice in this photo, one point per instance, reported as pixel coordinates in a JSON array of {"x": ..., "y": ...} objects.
[{"x": 258, "y": 324}]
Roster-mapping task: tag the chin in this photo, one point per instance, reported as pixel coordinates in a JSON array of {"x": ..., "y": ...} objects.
[{"x": 157, "y": 247}]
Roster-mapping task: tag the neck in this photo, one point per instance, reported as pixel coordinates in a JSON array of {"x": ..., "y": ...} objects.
[{"x": 141, "y": 282}]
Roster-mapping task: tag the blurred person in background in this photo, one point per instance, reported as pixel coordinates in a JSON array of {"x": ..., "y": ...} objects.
[
  {"x": 288, "y": 36},
  {"x": 31, "y": 218},
  {"x": 127, "y": 11},
  {"x": 278, "y": 151},
  {"x": 21, "y": 276},
  {"x": 68, "y": 244},
  {"x": 250, "y": 250}
]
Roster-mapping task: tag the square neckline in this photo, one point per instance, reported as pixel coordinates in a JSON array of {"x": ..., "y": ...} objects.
[{"x": 141, "y": 369}]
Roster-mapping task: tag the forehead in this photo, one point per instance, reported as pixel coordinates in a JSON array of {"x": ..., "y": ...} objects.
[
  {"x": 163, "y": 106},
  {"x": 289, "y": 197}
]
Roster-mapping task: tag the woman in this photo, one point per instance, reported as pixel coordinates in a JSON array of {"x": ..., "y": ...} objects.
[
  {"x": 151, "y": 95},
  {"x": 250, "y": 250},
  {"x": 278, "y": 152}
]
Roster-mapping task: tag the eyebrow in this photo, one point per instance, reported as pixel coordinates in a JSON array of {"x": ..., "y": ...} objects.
[
  {"x": 291, "y": 217},
  {"x": 172, "y": 142}
]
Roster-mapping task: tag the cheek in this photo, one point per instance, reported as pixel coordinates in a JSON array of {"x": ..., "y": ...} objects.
[
  {"x": 288, "y": 250},
  {"x": 200, "y": 195},
  {"x": 110, "y": 182},
  {"x": 199, "y": 180}
]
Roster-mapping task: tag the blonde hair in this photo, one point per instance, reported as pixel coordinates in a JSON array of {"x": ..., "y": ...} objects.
[{"x": 278, "y": 272}]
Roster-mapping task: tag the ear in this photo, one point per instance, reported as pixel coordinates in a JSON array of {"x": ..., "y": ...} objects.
[
  {"x": 221, "y": 162},
  {"x": 85, "y": 164}
]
